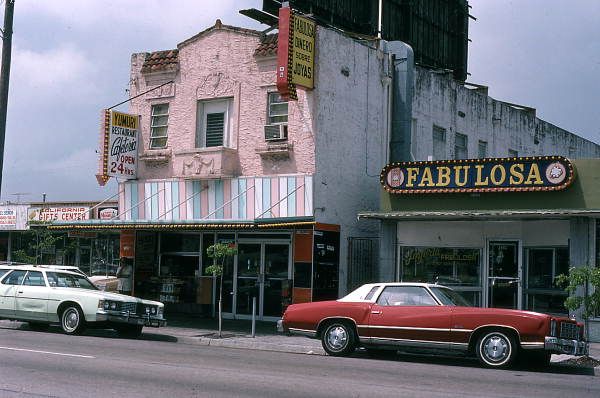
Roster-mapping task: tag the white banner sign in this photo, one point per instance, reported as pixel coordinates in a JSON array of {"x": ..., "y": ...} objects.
[
  {"x": 47, "y": 214},
  {"x": 13, "y": 217}
]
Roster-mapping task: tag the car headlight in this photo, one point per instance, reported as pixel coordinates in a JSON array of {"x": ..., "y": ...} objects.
[
  {"x": 111, "y": 305},
  {"x": 553, "y": 327},
  {"x": 100, "y": 304}
]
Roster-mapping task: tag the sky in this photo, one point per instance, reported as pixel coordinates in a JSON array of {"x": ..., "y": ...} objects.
[{"x": 70, "y": 60}]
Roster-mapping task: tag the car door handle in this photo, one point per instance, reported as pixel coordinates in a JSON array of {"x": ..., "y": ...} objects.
[
  {"x": 19, "y": 291},
  {"x": 376, "y": 312}
]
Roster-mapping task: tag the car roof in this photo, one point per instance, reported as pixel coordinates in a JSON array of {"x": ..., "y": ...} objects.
[
  {"x": 404, "y": 284},
  {"x": 31, "y": 267}
]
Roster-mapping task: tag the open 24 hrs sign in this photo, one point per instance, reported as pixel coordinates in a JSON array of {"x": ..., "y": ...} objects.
[{"x": 124, "y": 130}]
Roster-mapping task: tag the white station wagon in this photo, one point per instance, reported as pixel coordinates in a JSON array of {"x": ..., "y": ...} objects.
[{"x": 42, "y": 296}]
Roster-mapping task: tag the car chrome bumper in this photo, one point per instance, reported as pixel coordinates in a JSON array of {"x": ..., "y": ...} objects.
[
  {"x": 131, "y": 319},
  {"x": 280, "y": 326},
  {"x": 564, "y": 346}
]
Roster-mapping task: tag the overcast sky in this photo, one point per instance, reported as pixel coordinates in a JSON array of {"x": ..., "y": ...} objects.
[{"x": 70, "y": 59}]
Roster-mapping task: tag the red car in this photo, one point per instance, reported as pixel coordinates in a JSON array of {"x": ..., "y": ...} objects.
[{"x": 391, "y": 316}]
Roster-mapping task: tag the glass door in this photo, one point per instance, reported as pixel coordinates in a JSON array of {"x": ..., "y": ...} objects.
[
  {"x": 504, "y": 282},
  {"x": 248, "y": 274},
  {"x": 262, "y": 272},
  {"x": 276, "y": 291}
]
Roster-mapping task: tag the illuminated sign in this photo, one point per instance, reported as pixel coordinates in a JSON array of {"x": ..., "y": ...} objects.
[
  {"x": 295, "y": 53},
  {"x": 119, "y": 136},
  {"x": 540, "y": 173}
]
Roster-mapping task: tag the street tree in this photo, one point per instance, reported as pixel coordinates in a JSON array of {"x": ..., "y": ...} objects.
[{"x": 220, "y": 253}]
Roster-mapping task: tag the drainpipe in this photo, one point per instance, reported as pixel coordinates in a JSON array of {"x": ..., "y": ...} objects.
[
  {"x": 399, "y": 106},
  {"x": 402, "y": 96}
]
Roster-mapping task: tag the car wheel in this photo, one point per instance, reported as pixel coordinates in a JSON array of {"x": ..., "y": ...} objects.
[
  {"x": 496, "y": 349},
  {"x": 39, "y": 326},
  {"x": 338, "y": 339},
  {"x": 129, "y": 330},
  {"x": 72, "y": 320}
]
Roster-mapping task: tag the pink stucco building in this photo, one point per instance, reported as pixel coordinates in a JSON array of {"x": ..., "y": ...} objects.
[{"x": 224, "y": 158}]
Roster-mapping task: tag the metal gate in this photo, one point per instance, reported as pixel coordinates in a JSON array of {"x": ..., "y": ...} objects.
[{"x": 363, "y": 256}]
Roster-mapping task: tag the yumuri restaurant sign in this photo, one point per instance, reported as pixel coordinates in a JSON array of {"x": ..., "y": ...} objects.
[{"x": 539, "y": 173}]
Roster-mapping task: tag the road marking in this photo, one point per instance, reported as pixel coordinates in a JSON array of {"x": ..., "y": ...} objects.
[{"x": 47, "y": 352}]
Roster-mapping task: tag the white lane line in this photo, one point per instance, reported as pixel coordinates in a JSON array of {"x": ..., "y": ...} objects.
[{"x": 47, "y": 352}]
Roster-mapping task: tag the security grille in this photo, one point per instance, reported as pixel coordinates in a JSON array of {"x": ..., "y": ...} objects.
[
  {"x": 569, "y": 331},
  {"x": 363, "y": 255}
]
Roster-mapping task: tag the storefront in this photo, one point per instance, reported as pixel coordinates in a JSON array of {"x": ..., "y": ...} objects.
[
  {"x": 277, "y": 263},
  {"x": 25, "y": 237},
  {"x": 499, "y": 231}
]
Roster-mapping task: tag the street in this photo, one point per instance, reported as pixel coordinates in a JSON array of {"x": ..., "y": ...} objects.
[{"x": 98, "y": 364}]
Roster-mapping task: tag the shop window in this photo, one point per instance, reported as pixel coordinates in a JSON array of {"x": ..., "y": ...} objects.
[
  {"x": 439, "y": 143},
  {"x": 459, "y": 268},
  {"x": 213, "y": 123},
  {"x": 543, "y": 266},
  {"x": 207, "y": 241},
  {"x": 513, "y": 153},
  {"x": 158, "y": 126},
  {"x": 461, "y": 143},
  {"x": 179, "y": 243}
]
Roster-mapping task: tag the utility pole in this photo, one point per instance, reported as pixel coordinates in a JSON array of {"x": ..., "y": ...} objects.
[{"x": 5, "y": 74}]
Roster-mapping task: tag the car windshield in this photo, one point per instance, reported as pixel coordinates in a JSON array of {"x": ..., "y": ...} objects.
[
  {"x": 450, "y": 297},
  {"x": 60, "y": 279}
]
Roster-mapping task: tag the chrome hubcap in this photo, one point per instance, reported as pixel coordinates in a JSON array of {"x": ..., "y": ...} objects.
[
  {"x": 71, "y": 319},
  {"x": 337, "y": 337},
  {"x": 496, "y": 348}
]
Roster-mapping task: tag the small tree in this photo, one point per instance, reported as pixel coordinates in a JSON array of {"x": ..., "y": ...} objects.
[
  {"x": 578, "y": 284},
  {"x": 219, "y": 252}
]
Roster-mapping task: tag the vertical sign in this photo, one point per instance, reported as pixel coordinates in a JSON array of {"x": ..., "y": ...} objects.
[
  {"x": 303, "y": 52},
  {"x": 123, "y": 144},
  {"x": 284, "y": 84},
  {"x": 295, "y": 53},
  {"x": 119, "y": 143}
]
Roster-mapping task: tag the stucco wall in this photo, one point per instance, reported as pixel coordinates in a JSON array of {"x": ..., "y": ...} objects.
[
  {"x": 440, "y": 100},
  {"x": 350, "y": 128},
  {"x": 217, "y": 64}
]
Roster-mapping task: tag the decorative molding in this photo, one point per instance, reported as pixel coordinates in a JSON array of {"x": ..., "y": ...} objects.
[
  {"x": 198, "y": 166},
  {"x": 156, "y": 155}
]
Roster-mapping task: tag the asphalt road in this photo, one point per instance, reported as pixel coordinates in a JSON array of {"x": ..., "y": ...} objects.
[{"x": 99, "y": 364}]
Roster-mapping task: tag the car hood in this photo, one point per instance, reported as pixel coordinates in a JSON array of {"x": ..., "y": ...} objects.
[{"x": 103, "y": 295}]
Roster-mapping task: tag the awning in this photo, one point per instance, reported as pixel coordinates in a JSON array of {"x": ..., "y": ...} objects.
[
  {"x": 445, "y": 215},
  {"x": 95, "y": 225}
]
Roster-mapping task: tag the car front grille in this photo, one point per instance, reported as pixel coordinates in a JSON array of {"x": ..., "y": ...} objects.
[
  {"x": 128, "y": 307},
  {"x": 141, "y": 309},
  {"x": 569, "y": 331}
]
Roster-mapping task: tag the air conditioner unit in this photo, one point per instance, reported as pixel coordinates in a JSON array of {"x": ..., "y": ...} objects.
[{"x": 276, "y": 132}]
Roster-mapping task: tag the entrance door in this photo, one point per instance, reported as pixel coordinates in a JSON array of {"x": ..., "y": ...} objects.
[
  {"x": 504, "y": 282},
  {"x": 262, "y": 272}
]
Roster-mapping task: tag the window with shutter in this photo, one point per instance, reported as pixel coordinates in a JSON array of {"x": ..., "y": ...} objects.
[{"x": 213, "y": 123}]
